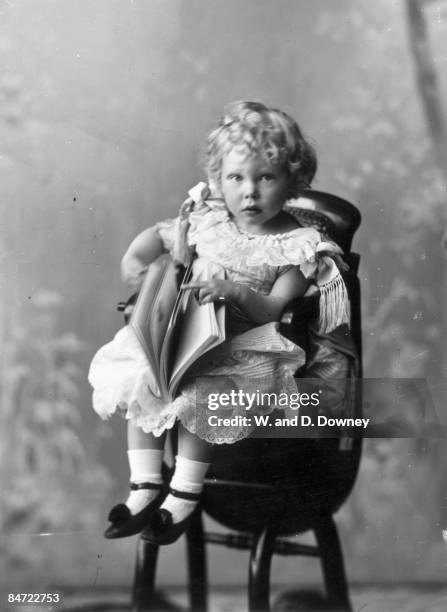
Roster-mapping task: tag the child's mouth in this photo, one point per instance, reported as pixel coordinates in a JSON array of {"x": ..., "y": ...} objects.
[{"x": 251, "y": 210}]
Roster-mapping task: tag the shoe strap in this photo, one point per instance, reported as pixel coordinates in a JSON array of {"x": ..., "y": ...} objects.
[
  {"x": 185, "y": 495},
  {"x": 136, "y": 486}
]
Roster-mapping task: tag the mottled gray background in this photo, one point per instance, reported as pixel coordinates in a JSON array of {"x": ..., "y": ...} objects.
[{"x": 104, "y": 105}]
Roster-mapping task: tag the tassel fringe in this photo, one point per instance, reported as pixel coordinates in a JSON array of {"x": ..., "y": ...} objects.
[{"x": 335, "y": 308}]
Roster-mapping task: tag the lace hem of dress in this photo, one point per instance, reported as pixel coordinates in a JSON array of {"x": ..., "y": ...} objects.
[{"x": 197, "y": 421}]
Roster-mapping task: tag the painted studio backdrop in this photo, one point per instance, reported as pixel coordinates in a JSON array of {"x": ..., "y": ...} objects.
[{"x": 104, "y": 105}]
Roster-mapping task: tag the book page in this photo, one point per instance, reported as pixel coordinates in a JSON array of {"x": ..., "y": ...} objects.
[
  {"x": 202, "y": 330},
  {"x": 153, "y": 309},
  {"x": 171, "y": 339}
]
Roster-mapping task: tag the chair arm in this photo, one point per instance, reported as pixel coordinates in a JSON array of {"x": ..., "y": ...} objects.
[{"x": 296, "y": 317}]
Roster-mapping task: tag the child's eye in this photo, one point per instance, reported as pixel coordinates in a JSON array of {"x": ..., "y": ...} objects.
[
  {"x": 268, "y": 177},
  {"x": 235, "y": 177}
]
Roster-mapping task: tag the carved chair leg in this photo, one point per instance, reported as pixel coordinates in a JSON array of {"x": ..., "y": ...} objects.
[
  {"x": 259, "y": 572},
  {"x": 144, "y": 581},
  {"x": 197, "y": 572},
  {"x": 332, "y": 563}
]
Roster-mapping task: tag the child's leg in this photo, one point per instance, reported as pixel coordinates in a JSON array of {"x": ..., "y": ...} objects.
[
  {"x": 191, "y": 465},
  {"x": 192, "y": 447},
  {"x": 145, "y": 457}
]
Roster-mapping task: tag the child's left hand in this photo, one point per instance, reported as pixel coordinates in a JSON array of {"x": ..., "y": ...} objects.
[{"x": 214, "y": 290}]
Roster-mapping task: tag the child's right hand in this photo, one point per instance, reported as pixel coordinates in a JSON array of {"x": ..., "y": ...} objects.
[
  {"x": 133, "y": 271},
  {"x": 214, "y": 290}
]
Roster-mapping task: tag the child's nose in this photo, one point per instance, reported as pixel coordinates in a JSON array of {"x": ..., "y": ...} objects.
[{"x": 250, "y": 189}]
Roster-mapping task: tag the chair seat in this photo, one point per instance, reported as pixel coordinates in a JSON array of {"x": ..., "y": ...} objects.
[{"x": 297, "y": 479}]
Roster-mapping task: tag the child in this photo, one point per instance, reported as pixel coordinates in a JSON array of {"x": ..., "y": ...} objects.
[{"x": 256, "y": 160}]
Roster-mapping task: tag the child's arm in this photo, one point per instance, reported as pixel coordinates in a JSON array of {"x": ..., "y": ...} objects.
[
  {"x": 260, "y": 308},
  {"x": 142, "y": 251},
  {"x": 265, "y": 308}
]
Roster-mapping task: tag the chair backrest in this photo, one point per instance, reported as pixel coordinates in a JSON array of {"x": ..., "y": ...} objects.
[
  {"x": 332, "y": 215},
  {"x": 338, "y": 219}
]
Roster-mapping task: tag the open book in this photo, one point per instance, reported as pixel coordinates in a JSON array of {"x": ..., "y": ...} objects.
[{"x": 172, "y": 327}]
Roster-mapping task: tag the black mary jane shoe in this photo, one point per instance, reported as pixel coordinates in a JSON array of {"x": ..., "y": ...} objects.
[
  {"x": 125, "y": 524},
  {"x": 161, "y": 529}
]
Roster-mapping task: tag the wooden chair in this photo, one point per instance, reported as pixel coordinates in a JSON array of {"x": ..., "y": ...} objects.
[{"x": 266, "y": 489}]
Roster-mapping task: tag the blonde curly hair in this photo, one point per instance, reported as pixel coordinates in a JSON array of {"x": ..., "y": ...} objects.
[{"x": 261, "y": 130}]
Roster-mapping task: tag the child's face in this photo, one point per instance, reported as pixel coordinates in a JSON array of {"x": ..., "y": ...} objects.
[{"x": 254, "y": 190}]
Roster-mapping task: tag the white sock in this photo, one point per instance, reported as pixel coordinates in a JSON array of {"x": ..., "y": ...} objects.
[
  {"x": 145, "y": 466},
  {"x": 188, "y": 477}
]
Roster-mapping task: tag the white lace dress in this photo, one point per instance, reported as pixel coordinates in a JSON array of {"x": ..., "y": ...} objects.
[{"x": 254, "y": 358}]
